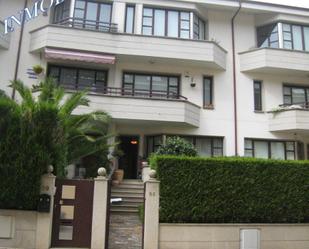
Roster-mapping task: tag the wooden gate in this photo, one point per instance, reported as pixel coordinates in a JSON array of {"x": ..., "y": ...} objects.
[{"x": 72, "y": 218}]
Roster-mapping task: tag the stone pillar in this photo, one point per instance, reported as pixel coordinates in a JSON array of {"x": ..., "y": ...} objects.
[
  {"x": 118, "y": 14},
  {"x": 45, "y": 220},
  {"x": 145, "y": 171},
  {"x": 151, "y": 221},
  {"x": 99, "y": 210}
]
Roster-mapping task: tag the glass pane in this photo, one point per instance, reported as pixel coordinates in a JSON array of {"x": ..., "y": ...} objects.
[
  {"x": 248, "y": 144},
  {"x": 297, "y": 38},
  {"x": 147, "y": 12},
  {"x": 248, "y": 153},
  {"x": 147, "y": 31},
  {"x": 149, "y": 145},
  {"x": 273, "y": 37},
  {"x": 105, "y": 13},
  {"x": 274, "y": 45},
  {"x": 202, "y": 31},
  {"x": 66, "y": 212},
  {"x": 79, "y": 13},
  {"x": 185, "y": 16},
  {"x": 287, "y": 90},
  {"x": 159, "y": 83},
  {"x": 128, "y": 78},
  {"x": 86, "y": 79},
  {"x": 184, "y": 34},
  {"x": 80, "y": 4},
  {"x": 217, "y": 152},
  {"x": 277, "y": 150},
  {"x": 130, "y": 20},
  {"x": 173, "y": 23},
  {"x": 286, "y": 27},
  {"x": 173, "y": 81},
  {"x": 290, "y": 146},
  {"x": 287, "y": 100},
  {"x": 54, "y": 72},
  {"x": 142, "y": 82},
  {"x": 287, "y": 36},
  {"x": 68, "y": 77},
  {"x": 159, "y": 22},
  {"x": 65, "y": 232},
  {"x": 298, "y": 95},
  {"x": 261, "y": 149},
  {"x": 306, "y": 38},
  {"x": 68, "y": 192},
  {"x": 92, "y": 11},
  {"x": 203, "y": 146},
  {"x": 287, "y": 45},
  {"x": 207, "y": 92},
  {"x": 101, "y": 76},
  {"x": 290, "y": 156},
  {"x": 185, "y": 25}
]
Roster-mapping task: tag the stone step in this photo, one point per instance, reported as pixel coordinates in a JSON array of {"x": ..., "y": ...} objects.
[
  {"x": 127, "y": 195},
  {"x": 132, "y": 181},
  {"x": 132, "y": 200},
  {"x": 129, "y": 191},
  {"x": 127, "y": 204},
  {"x": 124, "y": 210},
  {"x": 129, "y": 186}
]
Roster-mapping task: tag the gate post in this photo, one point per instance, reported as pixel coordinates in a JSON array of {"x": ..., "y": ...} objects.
[
  {"x": 45, "y": 220},
  {"x": 151, "y": 215},
  {"x": 99, "y": 210}
]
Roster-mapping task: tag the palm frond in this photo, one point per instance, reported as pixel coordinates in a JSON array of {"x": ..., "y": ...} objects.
[
  {"x": 25, "y": 93},
  {"x": 72, "y": 102}
]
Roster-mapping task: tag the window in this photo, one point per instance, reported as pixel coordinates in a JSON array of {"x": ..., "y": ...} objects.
[
  {"x": 268, "y": 36},
  {"x": 293, "y": 95},
  {"x": 257, "y": 85},
  {"x": 129, "y": 25},
  {"x": 161, "y": 22},
  {"x": 208, "y": 91},
  {"x": 198, "y": 28},
  {"x": 93, "y": 15},
  {"x": 269, "y": 149},
  {"x": 151, "y": 85},
  {"x": 62, "y": 12},
  {"x": 79, "y": 78},
  {"x": 205, "y": 146}
]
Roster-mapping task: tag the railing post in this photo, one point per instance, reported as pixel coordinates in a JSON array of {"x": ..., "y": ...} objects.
[
  {"x": 99, "y": 210},
  {"x": 151, "y": 215},
  {"x": 45, "y": 220}
]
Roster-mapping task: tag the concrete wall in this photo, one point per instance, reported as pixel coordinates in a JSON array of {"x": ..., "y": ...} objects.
[
  {"x": 228, "y": 236},
  {"x": 18, "y": 229}
]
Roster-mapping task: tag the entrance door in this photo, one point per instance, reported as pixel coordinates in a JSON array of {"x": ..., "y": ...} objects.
[
  {"x": 72, "y": 218},
  {"x": 128, "y": 162}
]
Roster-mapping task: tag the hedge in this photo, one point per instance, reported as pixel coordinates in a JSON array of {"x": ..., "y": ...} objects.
[{"x": 232, "y": 190}]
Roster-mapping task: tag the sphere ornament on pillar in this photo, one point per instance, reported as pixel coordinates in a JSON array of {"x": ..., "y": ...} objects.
[
  {"x": 102, "y": 172},
  {"x": 153, "y": 174},
  {"x": 50, "y": 169}
]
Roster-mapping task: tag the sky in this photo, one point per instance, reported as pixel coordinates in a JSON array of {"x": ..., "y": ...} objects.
[{"x": 298, "y": 3}]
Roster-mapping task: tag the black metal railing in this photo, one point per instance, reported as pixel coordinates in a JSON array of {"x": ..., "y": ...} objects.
[
  {"x": 125, "y": 92},
  {"x": 88, "y": 24}
]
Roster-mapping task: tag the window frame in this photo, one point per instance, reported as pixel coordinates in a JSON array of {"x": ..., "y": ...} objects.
[
  {"x": 78, "y": 69},
  {"x": 126, "y": 19},
  {"x": 256, "y": 106},
  {"x": 305, "y": 88},
  {"x": 211, "y": 104},
  {"x": 166, "y": 10},
  {"x": 151, "y": 75},
  {"x": 269, "y": 141}
]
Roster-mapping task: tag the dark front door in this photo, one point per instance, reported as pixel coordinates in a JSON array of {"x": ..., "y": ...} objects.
[
  {"x": 72, "y": 218},
  {"x": 128, "y": 162}
]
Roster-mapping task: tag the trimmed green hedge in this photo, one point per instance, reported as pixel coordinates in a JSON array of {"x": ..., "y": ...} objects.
[{"x": 232, "y": 190}]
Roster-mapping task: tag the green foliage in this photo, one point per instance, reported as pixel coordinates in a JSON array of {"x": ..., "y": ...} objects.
[
  {"x": 178, "y": 147},
  {"x": 232, "y": 190},
  {"x": 43, "y": 131},
  {"x": 141, "y": 213}
]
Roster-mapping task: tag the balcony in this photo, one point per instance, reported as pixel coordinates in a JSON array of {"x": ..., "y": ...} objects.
[
  {"x": 104, "y": 38},
  {"x": 4, "y": 39},
  {"x": 274, "y": 61},
  {"x": 294, "y": 118},
  {"x": 141, "y": 105}
]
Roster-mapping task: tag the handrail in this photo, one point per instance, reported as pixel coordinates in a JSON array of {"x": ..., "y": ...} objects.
[
  {"x": 126, "y": 92},
  {"x": 75, "y": 22}
]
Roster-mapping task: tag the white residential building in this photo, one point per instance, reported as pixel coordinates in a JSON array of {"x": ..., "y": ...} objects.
[{"x": 210, "y": 71}]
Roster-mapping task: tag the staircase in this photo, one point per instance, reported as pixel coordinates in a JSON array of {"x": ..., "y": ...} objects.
[{"x": 126, "y": 228}]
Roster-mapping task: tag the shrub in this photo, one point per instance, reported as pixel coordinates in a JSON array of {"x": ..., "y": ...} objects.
[
  {"x": 232, "y": 190},
  {"x": 177, "y": 146}
]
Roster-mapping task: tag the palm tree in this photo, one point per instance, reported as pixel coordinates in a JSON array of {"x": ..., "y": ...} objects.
[{"x": 85, "y": 134}]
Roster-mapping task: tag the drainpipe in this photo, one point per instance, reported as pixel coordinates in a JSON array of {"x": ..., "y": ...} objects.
[
  {"x": 235, "y": 80},
  {"x": 19, "y": 48}
]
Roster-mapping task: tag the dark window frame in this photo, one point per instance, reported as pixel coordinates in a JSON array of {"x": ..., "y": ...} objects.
[
  {"x": 211, "y": 79},
  {"x": 269, "y": 141},
  {"x": 126, "y": 18},
  {"x": 151, "y": 75},
  {"x": 197, "y": 35},
  {"x": 166, "y": 10},
  {"x": 290, "y": 87},
  {"x": 269, "y": 42},
  {"x": 258, "y": 105},
  {"x": 78, "y": 69}
]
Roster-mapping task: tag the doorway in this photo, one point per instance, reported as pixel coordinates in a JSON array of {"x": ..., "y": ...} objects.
[{"x": 129, "y": 160}]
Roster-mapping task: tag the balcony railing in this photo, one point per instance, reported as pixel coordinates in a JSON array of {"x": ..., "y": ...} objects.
[
  {"x": 88, "y": 24},
  {"x": 125, "y": 92}
]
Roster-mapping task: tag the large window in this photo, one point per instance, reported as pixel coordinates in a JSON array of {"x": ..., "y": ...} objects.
[
  {"x": 79, "y": 78},
  {"x": 205, "y": 146},
  {"x": 151, "y": 85},
  {"x": 93, "y": 15},
  {"x": 292, "y": 36},
  {"x": 171, "y": 23},
  {"x": 129, "y": 23},
  {"x": 295, "y": 95},
  {"x": 208, "y": 92},
  {"x": 269, "y": 149},
  {"x": 62, "y": 12},
  {"x": 257, "y": 88}
]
